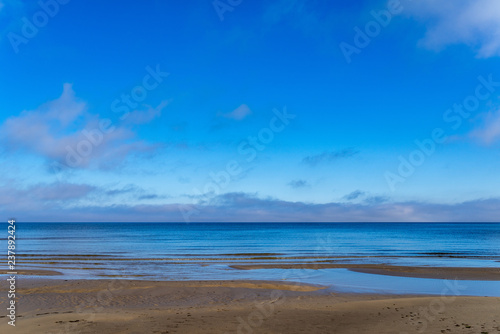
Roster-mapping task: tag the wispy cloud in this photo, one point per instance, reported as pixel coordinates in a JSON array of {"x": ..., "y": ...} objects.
[
  {"x": 296, "y": 184},
  {"x": 328, "y": 157},
  {"x": 59, "y": 128},
  {"x": 150, "y": 196},
  {"x": 249, "y": 207},
  {"x": 376, "y": 199},
  {"x": 365, "y": 198},
  {"x": 35, "y": 198},
  {"x": 475, "y": 23},
  {"x": 237, "y": 114},
  {"x": 130, "y": 191},
  {"x": 59, "y": 191},
  {"x": 489, "y": 130},
  {"x": 243, "y": 207},
  {"x": 124, "y": 190},
  {"x": 146, "y": 115},
  {"x": 354, "y": 195}
]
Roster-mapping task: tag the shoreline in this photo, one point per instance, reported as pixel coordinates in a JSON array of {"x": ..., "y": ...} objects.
[
  {"x": 430, "y": 272},
  {"x": 434, "y": 272},
  {"x": 237, "y": 306},
  {"x": 455, "y": 273}
]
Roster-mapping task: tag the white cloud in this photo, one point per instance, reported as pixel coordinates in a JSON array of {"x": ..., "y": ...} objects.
[
  {"x": 489, "y": 131},
  {"x": 239, "y": 207},
  {"x": 237, "y": 114},
  {"x": 475, "y": 23},
  {"x": 58, "y": 127},
  {"x": 42, "y": 195},
  {"x": 146, "y": 116}
]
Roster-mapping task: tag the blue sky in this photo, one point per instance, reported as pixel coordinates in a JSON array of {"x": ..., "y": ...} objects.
[{"x": 250, "y": 110}]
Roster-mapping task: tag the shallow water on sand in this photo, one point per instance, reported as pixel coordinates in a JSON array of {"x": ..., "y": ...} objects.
[{"x": 205, "y": 251}]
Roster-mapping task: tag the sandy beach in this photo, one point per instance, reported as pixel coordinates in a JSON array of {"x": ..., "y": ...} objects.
[
  {"x": 272, "y": 287},
  {"x": 128, "y": 306}
]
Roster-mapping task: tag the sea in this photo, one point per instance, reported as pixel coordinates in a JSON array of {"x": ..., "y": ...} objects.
[{"x": 207, "y": 251}]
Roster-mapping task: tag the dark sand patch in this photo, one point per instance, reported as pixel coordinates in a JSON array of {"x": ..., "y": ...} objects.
[{"x": 479, "y": 274}]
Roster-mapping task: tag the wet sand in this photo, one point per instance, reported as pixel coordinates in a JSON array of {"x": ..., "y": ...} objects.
[
  {"x": 480, "y": 274},
  {"x": 34, "y": 272},
  {"x": 128, "y": 306}
]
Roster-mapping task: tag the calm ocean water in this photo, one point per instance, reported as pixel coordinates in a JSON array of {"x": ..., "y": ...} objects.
[{"x": 205, "y": 251}]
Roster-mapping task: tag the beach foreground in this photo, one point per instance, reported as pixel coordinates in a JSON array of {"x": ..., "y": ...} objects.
[{"x": 127, "y": 306}]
